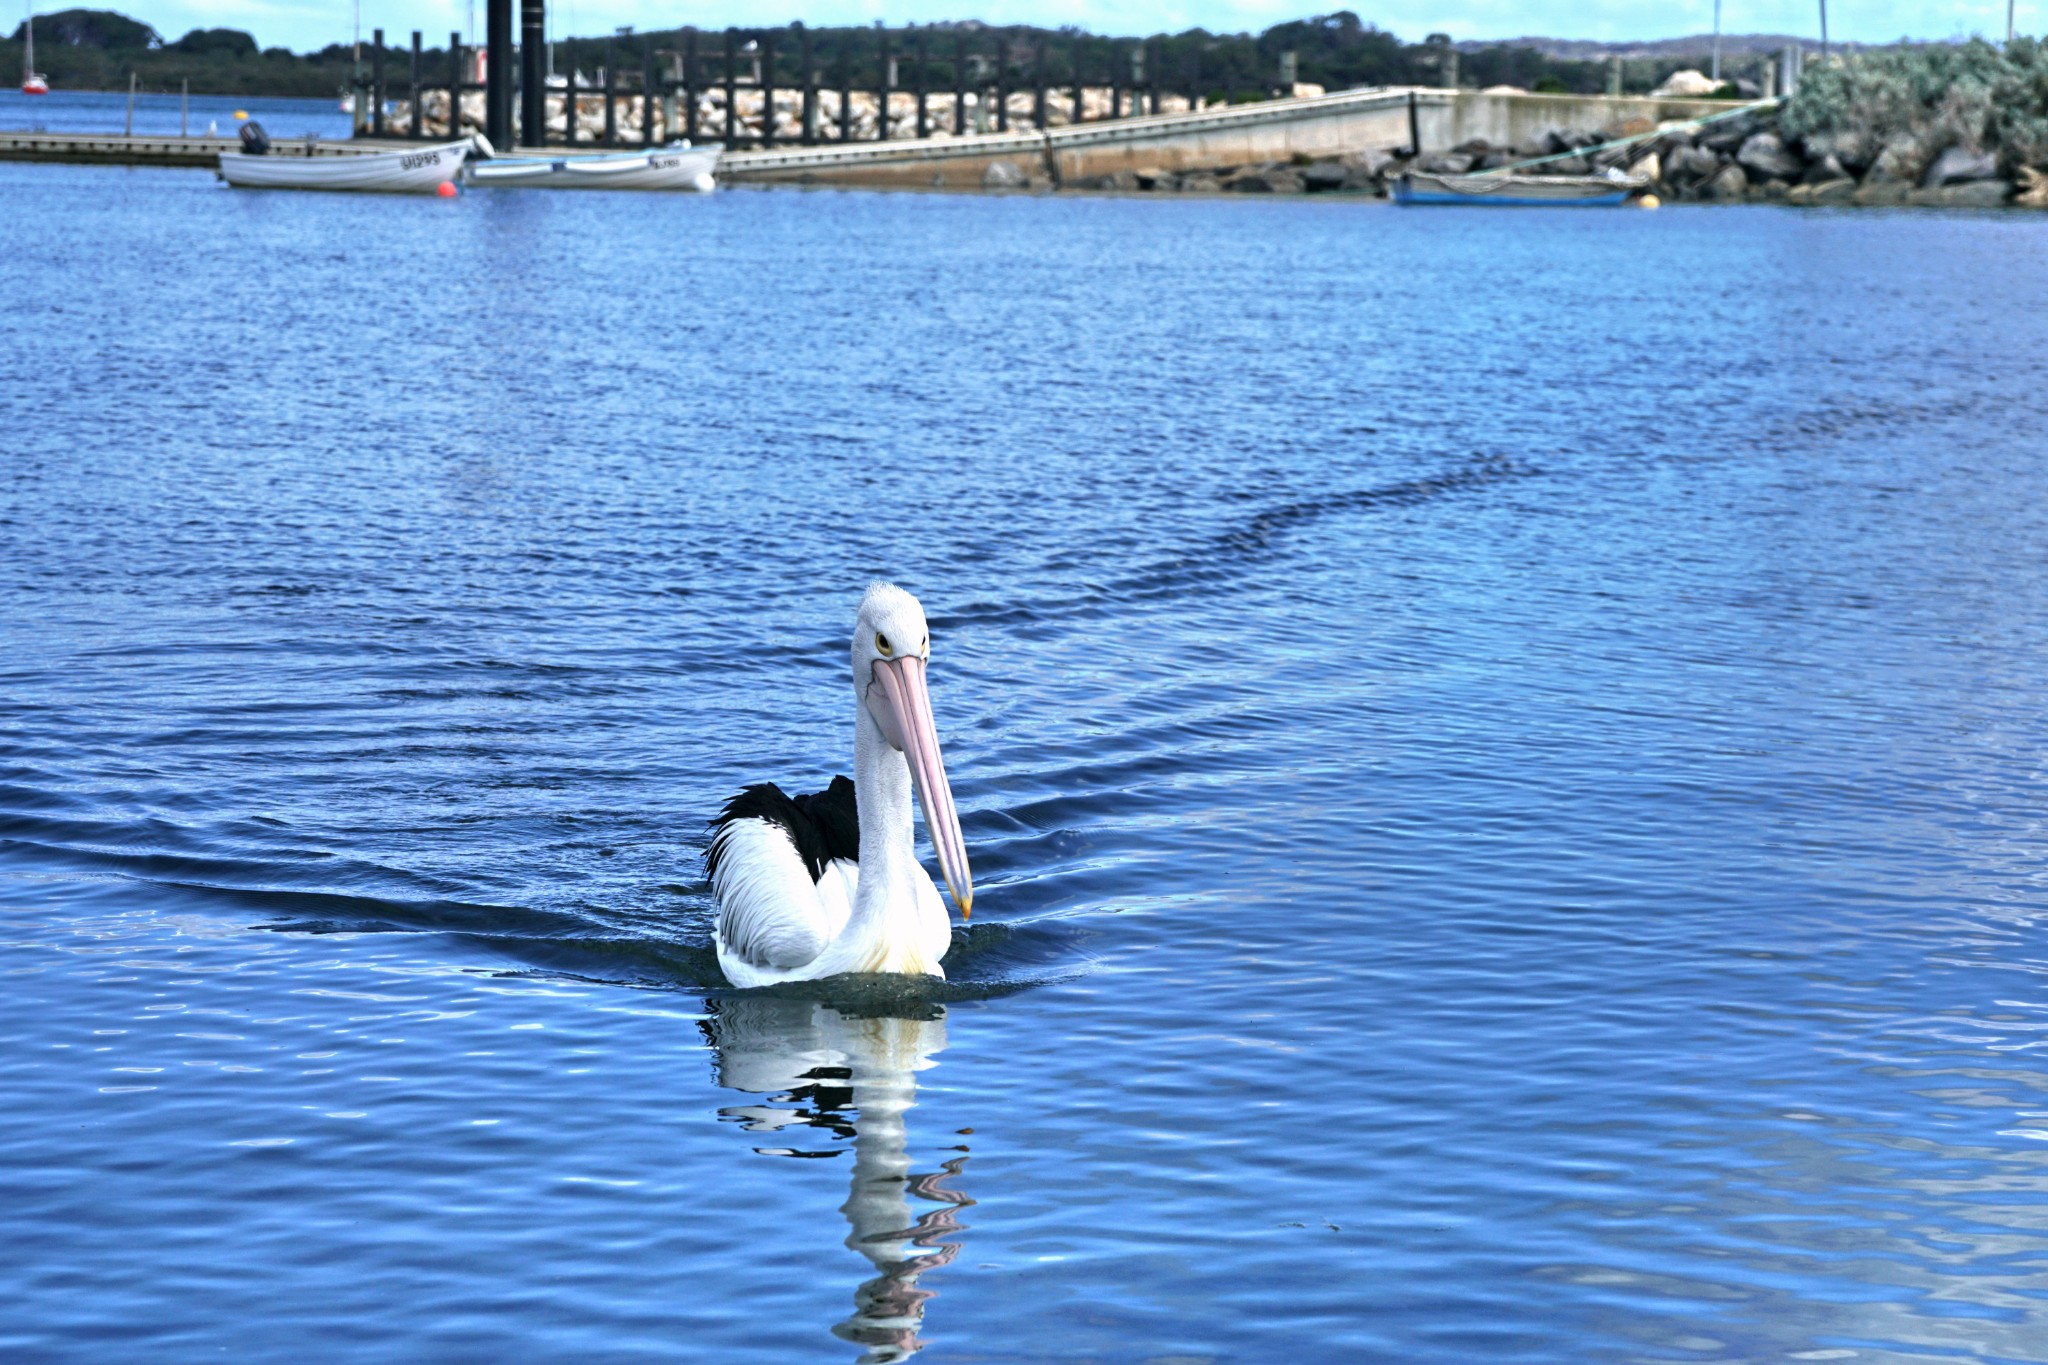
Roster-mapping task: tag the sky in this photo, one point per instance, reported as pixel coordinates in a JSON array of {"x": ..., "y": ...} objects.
[{"x": 302, "y": 26}]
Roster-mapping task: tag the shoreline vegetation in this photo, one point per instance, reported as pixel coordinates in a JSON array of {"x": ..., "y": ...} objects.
[{"x": 84, "y": 49}]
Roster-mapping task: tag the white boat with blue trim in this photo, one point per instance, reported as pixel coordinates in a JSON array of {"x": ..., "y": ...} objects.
[{"x": 678, "y": 166}]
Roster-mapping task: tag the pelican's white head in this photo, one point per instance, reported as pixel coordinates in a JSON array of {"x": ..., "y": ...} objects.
[{"x": 891, "y": 646}]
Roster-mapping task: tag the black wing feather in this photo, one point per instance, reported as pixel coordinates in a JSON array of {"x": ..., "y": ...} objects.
[{"x": 822, "y": 826}]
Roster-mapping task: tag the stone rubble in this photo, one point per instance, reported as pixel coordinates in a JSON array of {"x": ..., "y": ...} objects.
[{"x": 1736, "y": 159}]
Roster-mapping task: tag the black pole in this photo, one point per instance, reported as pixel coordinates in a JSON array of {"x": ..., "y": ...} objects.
[
  {"x": 1003, "y": 84},
  {"x": 924, "y": 85},
  {"x": 611, "y": 113},
  {"x": 647, "y": 97},
  {"x": 883, "y": 84},
  {"x": 732, "y": 93},
  {"x": 690, "y": 85},
  {"x": 377, "y": 82},
  {"x": 1038, "y": 93},
  {"x": 1414, "y": 128},
  {"x": 804, "y": 55},
  {"x": 959, "y": 82},
  {"x": 569, "y": 93},
  {"x": 419, "y": 127},
  {"x": 498, "y": 72},
  {"x": 533, "y": 76},
  {"x": 455, "y": 85},
  {"x": 1080, "y": 106},
  {"x": 1116, "y": 83},
  {"x": 768, "y": 89},
  {"x": 845, "y": 87}
]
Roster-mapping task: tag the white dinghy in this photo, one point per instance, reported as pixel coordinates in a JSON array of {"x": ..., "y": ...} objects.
[
  {"x": 661, "y": 168},
  {"x": 415, "y": 170}
]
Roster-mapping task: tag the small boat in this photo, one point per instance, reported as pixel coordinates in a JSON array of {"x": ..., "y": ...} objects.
[
  {"x": 676, "y": 167},
  {"x": 421, "y": 170},
  {"x": 33, "y": 82},
  {"x": 1528, "y": 191}
]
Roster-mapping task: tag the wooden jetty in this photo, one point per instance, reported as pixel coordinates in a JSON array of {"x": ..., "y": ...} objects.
[{"x": 119, "y": 149}]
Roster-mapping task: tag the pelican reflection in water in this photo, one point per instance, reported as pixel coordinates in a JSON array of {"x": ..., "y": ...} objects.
[{"x": 854, "y": 1077}]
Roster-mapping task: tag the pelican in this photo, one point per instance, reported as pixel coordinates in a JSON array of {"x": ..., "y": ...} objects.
[{"x": 815, "y": 886}]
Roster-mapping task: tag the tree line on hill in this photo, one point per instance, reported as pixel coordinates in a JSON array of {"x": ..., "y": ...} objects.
[{"x": 99, "y": 49}]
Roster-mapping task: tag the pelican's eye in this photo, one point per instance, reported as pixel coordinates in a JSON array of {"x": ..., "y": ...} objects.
[{"x": 882, "y": 644}]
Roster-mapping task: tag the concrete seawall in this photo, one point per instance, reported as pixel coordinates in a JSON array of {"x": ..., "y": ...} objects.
[{"x": 1239, "y": 135}]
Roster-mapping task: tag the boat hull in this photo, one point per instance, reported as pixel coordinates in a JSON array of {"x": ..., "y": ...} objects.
[
  {"x": 1514, "y": 191},
  {"x": 421, "y": 170},
  {"x": 664, "y": 168}
]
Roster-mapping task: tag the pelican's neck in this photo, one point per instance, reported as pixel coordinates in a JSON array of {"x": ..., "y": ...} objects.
[{"x": 888, "y": 847}]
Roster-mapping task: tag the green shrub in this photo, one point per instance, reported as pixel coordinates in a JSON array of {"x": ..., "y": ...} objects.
[{"x": 1929, "y": 96}]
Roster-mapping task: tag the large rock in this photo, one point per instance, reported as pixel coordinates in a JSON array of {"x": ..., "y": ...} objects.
[
  {"x": 1730, "y": 183},
  {"x": 1570, "y": 165},
  {"x": 1959, "y": 164},
  {"x": 1685, "y": 85},
  {"x": 1447, "y": 163},
  {"x": 1266, "y": 180},
  {"x": 1729, "y": 134},
  {"x": 1903, "y": 157},
  {"x": 1689, "y": 165},
  {"x": 1970, "y": 194},
  {"x": 1324, "y": 175},
  {"x": 1854, "y": 148},
  {"x": 1826, "y": 169},
  {"x": 1200, "y": 182},
  {"x": 1826, "y": 192},
  {"x": 1365, "y": 167},
  {"x": 1649, "y": 168},
  {"x": 1881, "y": 193},
  {"x": 1769, "y": 158}
]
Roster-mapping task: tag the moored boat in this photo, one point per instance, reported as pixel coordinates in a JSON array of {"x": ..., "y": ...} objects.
[
  {"x": 415, "y": 170},
  {"x": 659, "y": 168},
  {"x": 33, "y": 82},
  {"x": 1528, "y": 191}
]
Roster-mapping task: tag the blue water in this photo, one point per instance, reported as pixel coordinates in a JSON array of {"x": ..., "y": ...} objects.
[
  {"x": 1502, "y": 755},
  {"x": 167, "y": 115}
]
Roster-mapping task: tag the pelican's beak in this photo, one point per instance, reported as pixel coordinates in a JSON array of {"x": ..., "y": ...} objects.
[{"x": 909, "y": 705}]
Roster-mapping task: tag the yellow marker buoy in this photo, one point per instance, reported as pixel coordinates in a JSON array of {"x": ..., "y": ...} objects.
[
  {"x": 1649, "y": 201},
  {"x": 241, "y": 113}
]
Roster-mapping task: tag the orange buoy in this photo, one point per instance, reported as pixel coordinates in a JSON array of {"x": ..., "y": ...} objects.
[{"x": 446, "y": 189}]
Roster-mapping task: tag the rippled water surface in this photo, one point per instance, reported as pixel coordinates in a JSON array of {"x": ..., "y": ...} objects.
[{"x": 1501, "y": 754}]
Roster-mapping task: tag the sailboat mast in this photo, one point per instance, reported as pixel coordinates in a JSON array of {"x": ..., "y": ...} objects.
[{"x": 28, "y": 48}]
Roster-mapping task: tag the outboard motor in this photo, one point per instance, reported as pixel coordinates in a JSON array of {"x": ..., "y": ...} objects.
[{"x": 255, "y": 141}]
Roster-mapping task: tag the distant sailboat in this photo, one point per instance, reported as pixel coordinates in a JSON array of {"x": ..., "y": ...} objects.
[{"x": 33, "y": 82}]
